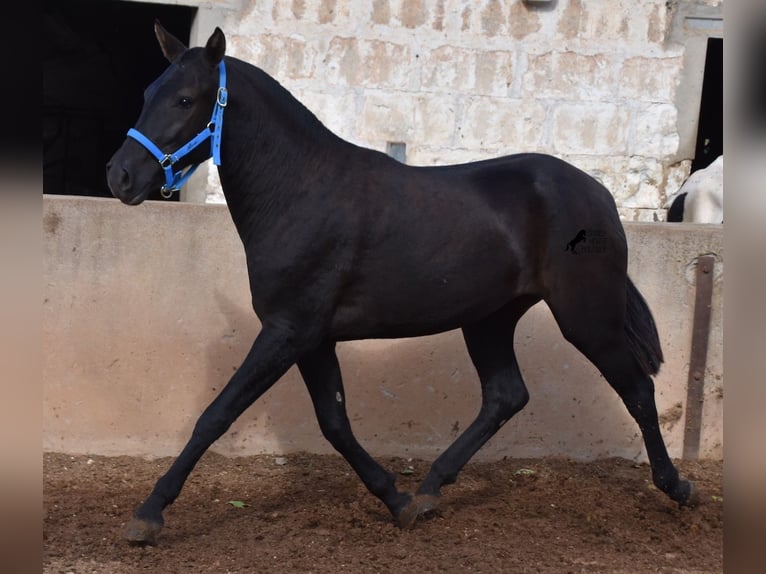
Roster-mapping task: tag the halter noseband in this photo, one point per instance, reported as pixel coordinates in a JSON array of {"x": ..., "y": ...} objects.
[{"x": 174, "y": 181}]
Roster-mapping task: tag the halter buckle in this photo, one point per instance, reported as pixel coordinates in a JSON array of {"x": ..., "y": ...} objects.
[
  {"x": 223, "y": 96},
  {"x": 167, "y": 161}
]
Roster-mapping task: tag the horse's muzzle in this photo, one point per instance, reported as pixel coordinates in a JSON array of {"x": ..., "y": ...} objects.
[{"x": 122, "y": 183}]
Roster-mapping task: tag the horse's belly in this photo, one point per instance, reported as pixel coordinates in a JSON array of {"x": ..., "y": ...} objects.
[{"x": 416, "y": 306}]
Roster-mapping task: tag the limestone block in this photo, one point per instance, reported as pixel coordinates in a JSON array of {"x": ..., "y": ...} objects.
[
  {"x": 502, "y": 124},
  {"x": 466, "y": 15},
  {"x": 585, "y": 128},
  {"x": 413, "y": 13},
  {"x": 435, "y": 120},
  {"x": 621, "y": 21},
  {"x": 284, "y": 57},
  {"x": 343, "y": 61},
  {"x": 644, "y": 179},
  {"x": 568, "y": 25},
  {"x": 317, "y": 11},
  {"x": 407, "y": 14},
  {"x": 333, "y": 11},
  {"x": 250, "y": 20},
  {"x": 407, "y": 118},
  {"x": 569, "y": 75},
  {"x": 650, "y": 79},
  {"x": 448, "y": 68},
  {"x": 438, "y": 22},
  {"x": 654, "y": 132},
  {"x": 369, "y": 63},
  {"x": 453, "y": 69},
  {"x": 492, "y": 18},
  {"x": 387, "y": 117},
  {"x": 494, "y": 72},
  {"x": 381, "y": 12},
  {"x": 386, "y": 64},
  {"x": 522, "y": 22},
  {"x": 658, "y": 21}
]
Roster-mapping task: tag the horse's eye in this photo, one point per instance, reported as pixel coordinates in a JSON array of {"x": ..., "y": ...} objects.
[{"x": 184, "y": 102}]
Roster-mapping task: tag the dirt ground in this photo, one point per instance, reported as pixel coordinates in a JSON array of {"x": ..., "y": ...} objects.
[{"x": 309, "y": 513}]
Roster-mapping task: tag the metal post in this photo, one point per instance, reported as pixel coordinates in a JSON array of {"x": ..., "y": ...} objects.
[{"x": 698, "y": 356}]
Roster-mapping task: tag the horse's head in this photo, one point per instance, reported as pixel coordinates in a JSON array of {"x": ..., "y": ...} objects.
[{"x": 177, "y": 107}]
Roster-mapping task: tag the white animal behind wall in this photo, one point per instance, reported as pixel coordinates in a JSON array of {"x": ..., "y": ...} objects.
[{"x": 701, "y": 196}]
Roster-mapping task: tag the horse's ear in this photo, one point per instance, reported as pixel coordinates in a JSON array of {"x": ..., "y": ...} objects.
[
  {"x": 171, "y": 46},
  {"x": 216, "y": 46}
]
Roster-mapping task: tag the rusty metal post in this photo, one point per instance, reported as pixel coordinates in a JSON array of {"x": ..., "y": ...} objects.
[{"x": 698, "y": 356}]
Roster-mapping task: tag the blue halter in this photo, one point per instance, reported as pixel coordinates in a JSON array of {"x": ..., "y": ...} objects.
[{"x": 176, "y": 180}]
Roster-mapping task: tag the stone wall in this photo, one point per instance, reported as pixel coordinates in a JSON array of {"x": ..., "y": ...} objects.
[
  {"x": 603, "y": 84},
  {"x": 146, "y": 314}
]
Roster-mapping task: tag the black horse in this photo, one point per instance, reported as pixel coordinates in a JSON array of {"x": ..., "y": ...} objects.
[{"x": 346, "y": 243}]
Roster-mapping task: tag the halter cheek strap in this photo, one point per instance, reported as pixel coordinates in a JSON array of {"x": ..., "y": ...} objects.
[{"x": 174, "y": 181}]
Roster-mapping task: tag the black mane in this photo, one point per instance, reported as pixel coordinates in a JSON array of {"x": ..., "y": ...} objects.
[{"x": 287, "y": 110}]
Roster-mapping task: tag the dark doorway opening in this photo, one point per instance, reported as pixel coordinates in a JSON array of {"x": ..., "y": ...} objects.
[
  {"x": 710, "y": 126},
  {"x": 98, "y": 57}
]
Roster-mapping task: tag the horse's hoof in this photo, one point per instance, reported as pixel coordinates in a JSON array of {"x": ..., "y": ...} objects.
[
  {"x": 419, "y": 505},
  {"x": 141, "y": 532},
  {"x": 692, "y": 499}
]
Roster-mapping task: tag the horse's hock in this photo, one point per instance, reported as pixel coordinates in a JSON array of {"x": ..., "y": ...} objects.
[{"x": 147, "y": 313}]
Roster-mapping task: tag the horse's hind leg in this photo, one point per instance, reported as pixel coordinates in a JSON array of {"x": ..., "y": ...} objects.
[
  {"x": 598, "y": 320},
  {"x": 636, "y": 389},
  {"x": 490, "y": 346},
  {"x": 321, "y": 373}
]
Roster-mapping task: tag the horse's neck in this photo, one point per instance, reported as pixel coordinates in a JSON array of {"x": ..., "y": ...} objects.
[{"x": 274, "y": 151}]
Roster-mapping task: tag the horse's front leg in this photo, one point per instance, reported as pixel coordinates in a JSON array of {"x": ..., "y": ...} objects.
[
  {"x": 272, "y": 353},
  {"x": 321, "y": 372}
]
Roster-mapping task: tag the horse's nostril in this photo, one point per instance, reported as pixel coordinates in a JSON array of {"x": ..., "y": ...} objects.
[
  {"x": 117, "y": 176},
  {"x": 124, "y": 178}
]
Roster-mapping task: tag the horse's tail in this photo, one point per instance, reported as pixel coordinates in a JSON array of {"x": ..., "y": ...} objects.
[{"x": 643, "y": 340}]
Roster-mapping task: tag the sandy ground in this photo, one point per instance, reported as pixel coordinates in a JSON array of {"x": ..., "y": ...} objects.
[{"x": 309, "y": 513}]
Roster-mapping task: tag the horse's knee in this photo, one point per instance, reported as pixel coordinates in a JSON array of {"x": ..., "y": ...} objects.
[{"x": 506, "y": 400}]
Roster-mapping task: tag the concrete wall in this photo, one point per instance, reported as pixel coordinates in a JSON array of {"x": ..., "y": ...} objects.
[
  {"x": 613, "y": 87},
  {"x": 146, "y": 314}
]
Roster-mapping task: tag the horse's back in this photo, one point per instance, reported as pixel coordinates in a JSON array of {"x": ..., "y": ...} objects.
[
  {"x": 446, "y": 244},
  {"x": 541, "y": 199},
  {"x": 542, "y": 179}
]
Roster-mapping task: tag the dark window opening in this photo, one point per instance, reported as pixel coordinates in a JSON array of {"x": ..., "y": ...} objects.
[
  {"x": 98, "y": 57},
  {"x": 710, "y": 127}
]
